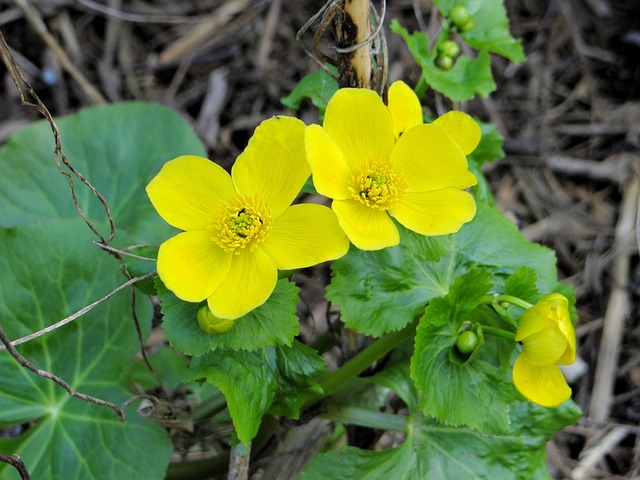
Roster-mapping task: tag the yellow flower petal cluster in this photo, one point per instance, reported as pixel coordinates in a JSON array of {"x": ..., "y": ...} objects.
[
  {"x": 239, "y": 229},
  {"x": 548, "y": 339},
  {"x": 377, "y": 162}
]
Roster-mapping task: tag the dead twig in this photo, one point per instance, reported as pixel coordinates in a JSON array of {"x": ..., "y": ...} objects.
[
  {"x": 79, "y": 313},
  {"x": 617, "y": 306},
  {"x": 50, "y": 376},
  {"x": 15, "y": 462},
  {"x": 34, "y": 18},
  {"x": 22, "y": 84}
]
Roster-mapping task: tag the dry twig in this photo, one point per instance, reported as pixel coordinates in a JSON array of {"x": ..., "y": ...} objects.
[
  {"x": 15, "y": 462},
  {"x": 48, "y": 375}
]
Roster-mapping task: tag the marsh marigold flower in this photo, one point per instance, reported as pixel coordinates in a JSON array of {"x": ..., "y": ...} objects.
[
  {"x": 239, "y": 229},
  {"x": 548, "y": 339},
  {"x": 377, "y": 161}
]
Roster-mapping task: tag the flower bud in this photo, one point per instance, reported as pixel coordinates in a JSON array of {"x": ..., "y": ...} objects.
[
  {"x": 459, "y": 15},
  {"x": 449, "y": 48},
  {"x": 467, "y": 342},
  {"x": 211, "y": 324},
  {"x": 468, "y": 26},
  {"x": 444, "y": 62}
]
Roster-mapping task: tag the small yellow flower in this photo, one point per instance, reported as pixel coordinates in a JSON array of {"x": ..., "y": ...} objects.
[
  {"x": 377, "y": 162},
  {"x": 240, "y": 229},
  {"x": 548, "y": 339}
]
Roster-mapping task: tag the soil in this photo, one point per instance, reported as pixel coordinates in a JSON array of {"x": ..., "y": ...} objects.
[{"x": 570, "y": 116}]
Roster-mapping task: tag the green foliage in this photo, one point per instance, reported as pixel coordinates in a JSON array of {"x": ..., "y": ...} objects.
[
  {"x": 491, "y": 27},
  {"x": 432, "y": 450},
  {"x": 58, "y": 273},
  {"x": 453, "y": 390},
  {"x": 118, "y": 148},
  {"x": 318, "y": 86},
  {"x": 252, "y": 380},
  {"x": 467, "y": 78},
  {"x": 522, "y": 284},
  {"x": 383, "y": 291},
  {"x": 273, "y": 323}
]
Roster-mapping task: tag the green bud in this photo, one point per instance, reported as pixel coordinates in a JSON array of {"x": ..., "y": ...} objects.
[
  {"x": 449, "y": 48},
  {"x": 467, "y": 342},
  {"x": 459, "y": 15},
  {"x": 444, "y": 62},
  {"x": 468, "y": 26},
  {"x": 211, "y": 324}
]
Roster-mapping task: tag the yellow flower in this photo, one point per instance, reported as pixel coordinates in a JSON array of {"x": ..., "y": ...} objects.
[
  {"x": 548, "y": 339},
  {"x": 240, "y": 229},
  {"x": 377, "y": 162}
]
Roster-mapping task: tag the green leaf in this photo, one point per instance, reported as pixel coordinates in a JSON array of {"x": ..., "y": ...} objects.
[
  {"x": 274, "y": 322},
  {"x": 490, "y": 146},
  {"x": 453, "y": 390},
  {"x": 50, "y": 271},
  {"x": 522, "y": 284},
  {"x": 298, "y": 366},
  {"x": 251, "y": 381},
  {"x": 318, "y": 86},
  {"x": 118, "y": 148},
  {"x": 384, "y": 290},
  {"x": 432, "y": 450},
  {"x": 463, "y": 81},
  {"x": 491, "y": 30},
  {"x": 247, "y": 380}
]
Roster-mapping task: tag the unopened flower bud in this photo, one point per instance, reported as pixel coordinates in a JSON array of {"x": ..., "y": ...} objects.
[{"x": 211, "y": 324}]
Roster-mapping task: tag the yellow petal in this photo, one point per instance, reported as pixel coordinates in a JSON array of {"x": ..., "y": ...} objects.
[
  {"x": 331, "y": 173},
  {"x": 462, "y": 128},
  {"x": 305, "y": 235},
  {"x": 429, "y": 158},
  {"x": 249, "y": 283},
  {"x": 405, "y": 107},
  {"x": 191, "y": 265},
  {"x": 367, "y": 228},
  {"x": 544, "y": 347},
  {"x": 274, "y": 165},
  {"x": 435, "y": 213},
  {"x": 468, "y": 179},
  {"x": 360, "y": 125},
  {"x": 542, "y": 385},
  {"x": 188, "y": 190}
]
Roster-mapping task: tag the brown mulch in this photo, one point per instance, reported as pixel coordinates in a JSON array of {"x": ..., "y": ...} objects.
[{"x": 570, "y": 116}]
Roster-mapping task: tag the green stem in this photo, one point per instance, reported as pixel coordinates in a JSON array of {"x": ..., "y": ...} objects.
[
  {"x": 366, "y": 418},
  {"x": 421, "y": 88},
  {"x": 489, "y": 299},
  {"x": 499, "y": 332},
  {"x": 354, "y": 367}
]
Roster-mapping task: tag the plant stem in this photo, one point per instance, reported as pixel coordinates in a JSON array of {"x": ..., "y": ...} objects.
[
  {"x": 421, "y": 88},
  {"x": 499, "y": 332},
  {"x": 489, "y": 299},
  {"x": 350, "y": 370},
  {"x": 366, "y": 418}
]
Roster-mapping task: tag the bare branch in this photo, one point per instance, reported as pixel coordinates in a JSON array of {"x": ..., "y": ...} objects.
[
  {"x": 44, "y": 374},
  {"x": 15, "y": 462},
  {"x": 79, "y": 313},
  {"x": 22, "y": 84}
]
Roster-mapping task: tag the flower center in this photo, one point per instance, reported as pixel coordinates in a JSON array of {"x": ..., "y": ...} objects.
[
  {"x": 377, "y": 185},
  {"x": 244, "y": 222}
]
